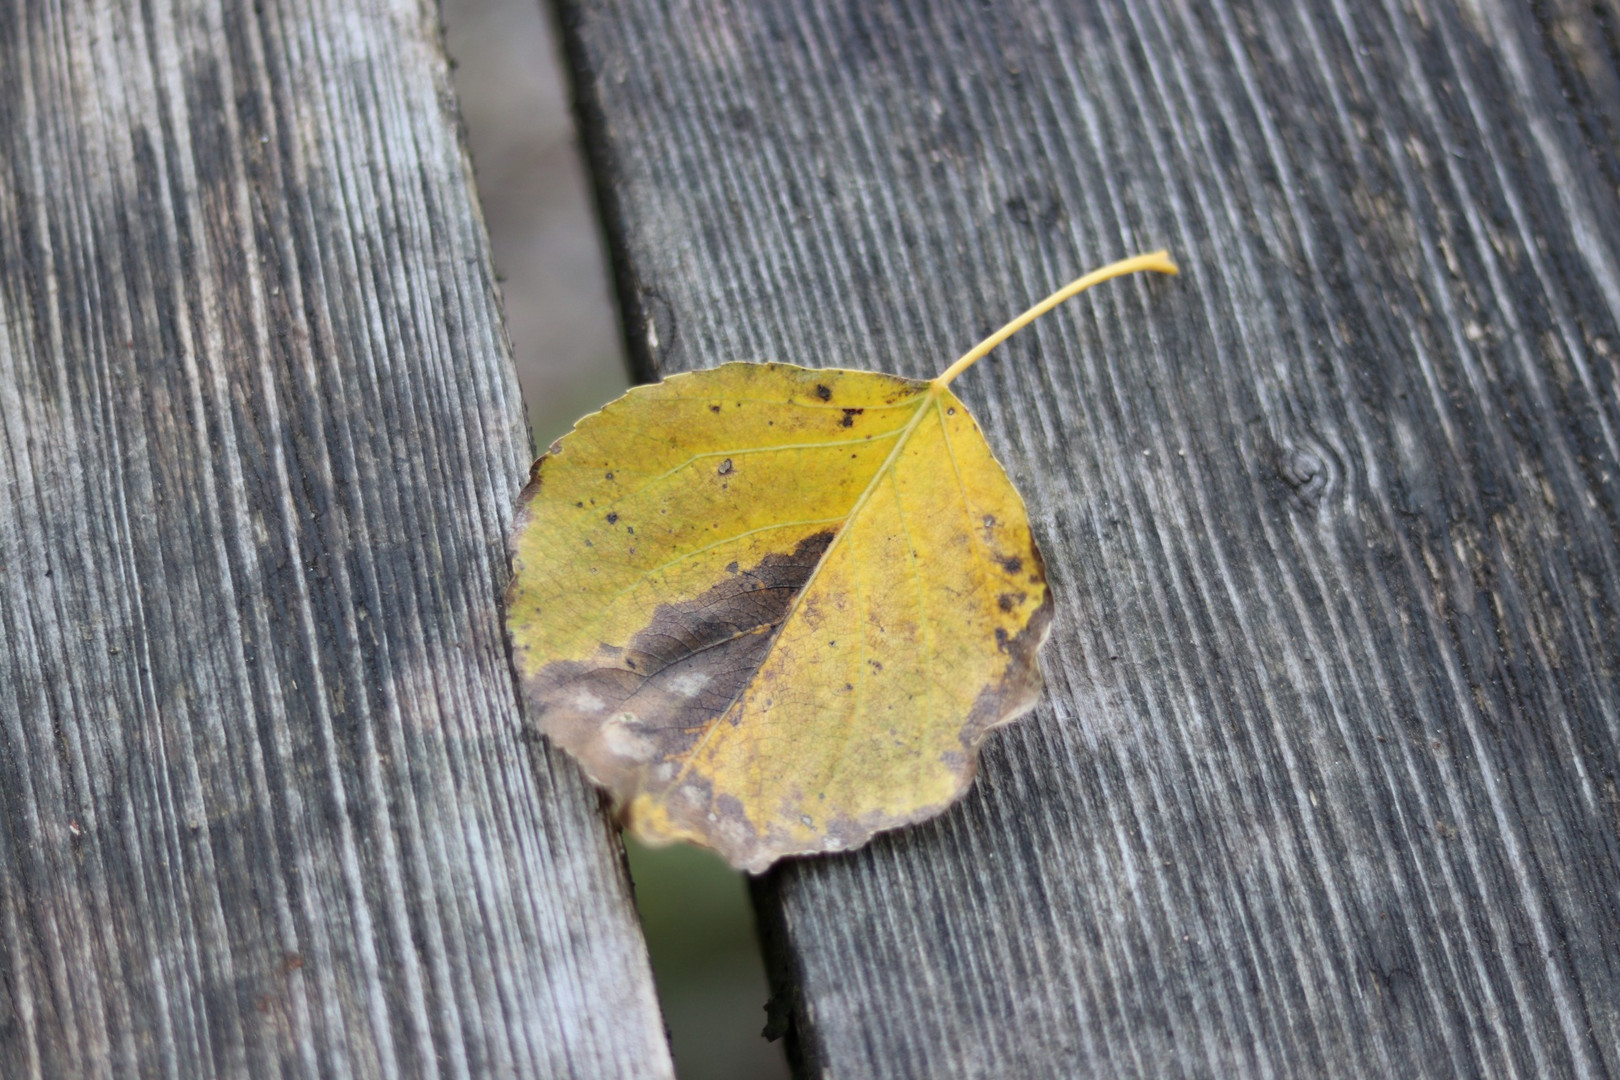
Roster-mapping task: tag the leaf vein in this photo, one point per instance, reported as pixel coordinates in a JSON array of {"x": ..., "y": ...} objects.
[
  {"x": 916, "y": 579},
  {"x": 814, "y": 404},
  {"x": 980, "y": 560},
  {"x": 745, "y": 450}
]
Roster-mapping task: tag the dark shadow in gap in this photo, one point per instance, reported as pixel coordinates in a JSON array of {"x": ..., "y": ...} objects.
[{"x": 706, "y": 961}]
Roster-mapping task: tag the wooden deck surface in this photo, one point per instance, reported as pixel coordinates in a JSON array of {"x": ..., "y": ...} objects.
[
  {"x": 1324, "y": 783},
  {"x": 265, "y": 804},
  {"x": 1325, "y": 780}
]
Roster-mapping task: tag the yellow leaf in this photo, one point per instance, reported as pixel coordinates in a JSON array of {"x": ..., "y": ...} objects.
[{"x": 775, "y": 610}]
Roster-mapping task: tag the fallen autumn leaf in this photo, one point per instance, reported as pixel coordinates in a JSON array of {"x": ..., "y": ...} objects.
[{"x": 774, "y": 610}]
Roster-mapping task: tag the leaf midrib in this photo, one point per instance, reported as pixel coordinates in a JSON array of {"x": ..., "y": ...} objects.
[{"x": 928, "y": 398}]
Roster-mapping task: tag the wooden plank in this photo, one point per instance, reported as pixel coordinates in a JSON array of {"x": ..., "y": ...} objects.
[
  {"x": 265, "y": 803},
  {"x": 1324, "y": 782}
]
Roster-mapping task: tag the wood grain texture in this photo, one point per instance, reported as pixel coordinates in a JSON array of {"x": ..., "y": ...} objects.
[
  {"x": 1324, "y": 782},
  {"x": 265, "y": 804}
]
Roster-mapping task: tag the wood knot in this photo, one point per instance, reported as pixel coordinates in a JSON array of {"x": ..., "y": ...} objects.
[{"x": 1310, "y": 471}]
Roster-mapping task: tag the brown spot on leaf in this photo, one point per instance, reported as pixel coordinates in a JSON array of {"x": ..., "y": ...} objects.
[
  {"x": 1008, "y": 601},
  {"x": 1020, "y": 685},
  {"x": 612, "y": 518},
  {"x": 849, "y": 417},
  {"x": 714, "y": 408},
  {"x": 823, "y": 392},
  {"x": 1011, "y": 563}
]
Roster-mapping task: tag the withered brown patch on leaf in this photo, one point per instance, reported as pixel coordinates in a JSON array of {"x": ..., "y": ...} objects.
[
  {"x": 724, "y": 823},
  {"x": 1020, "y": 685},
  {"x": 636, "y": 706},
  {"x": 729, "y": 830}
]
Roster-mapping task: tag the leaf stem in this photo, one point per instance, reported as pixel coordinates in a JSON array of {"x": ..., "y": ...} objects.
[{"x": 1159, "y": 261}]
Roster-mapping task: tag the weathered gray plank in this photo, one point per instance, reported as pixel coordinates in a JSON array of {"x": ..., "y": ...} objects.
[
  {"x": 1325, "y": 780},
  {"x": 264, "y": 804}
]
